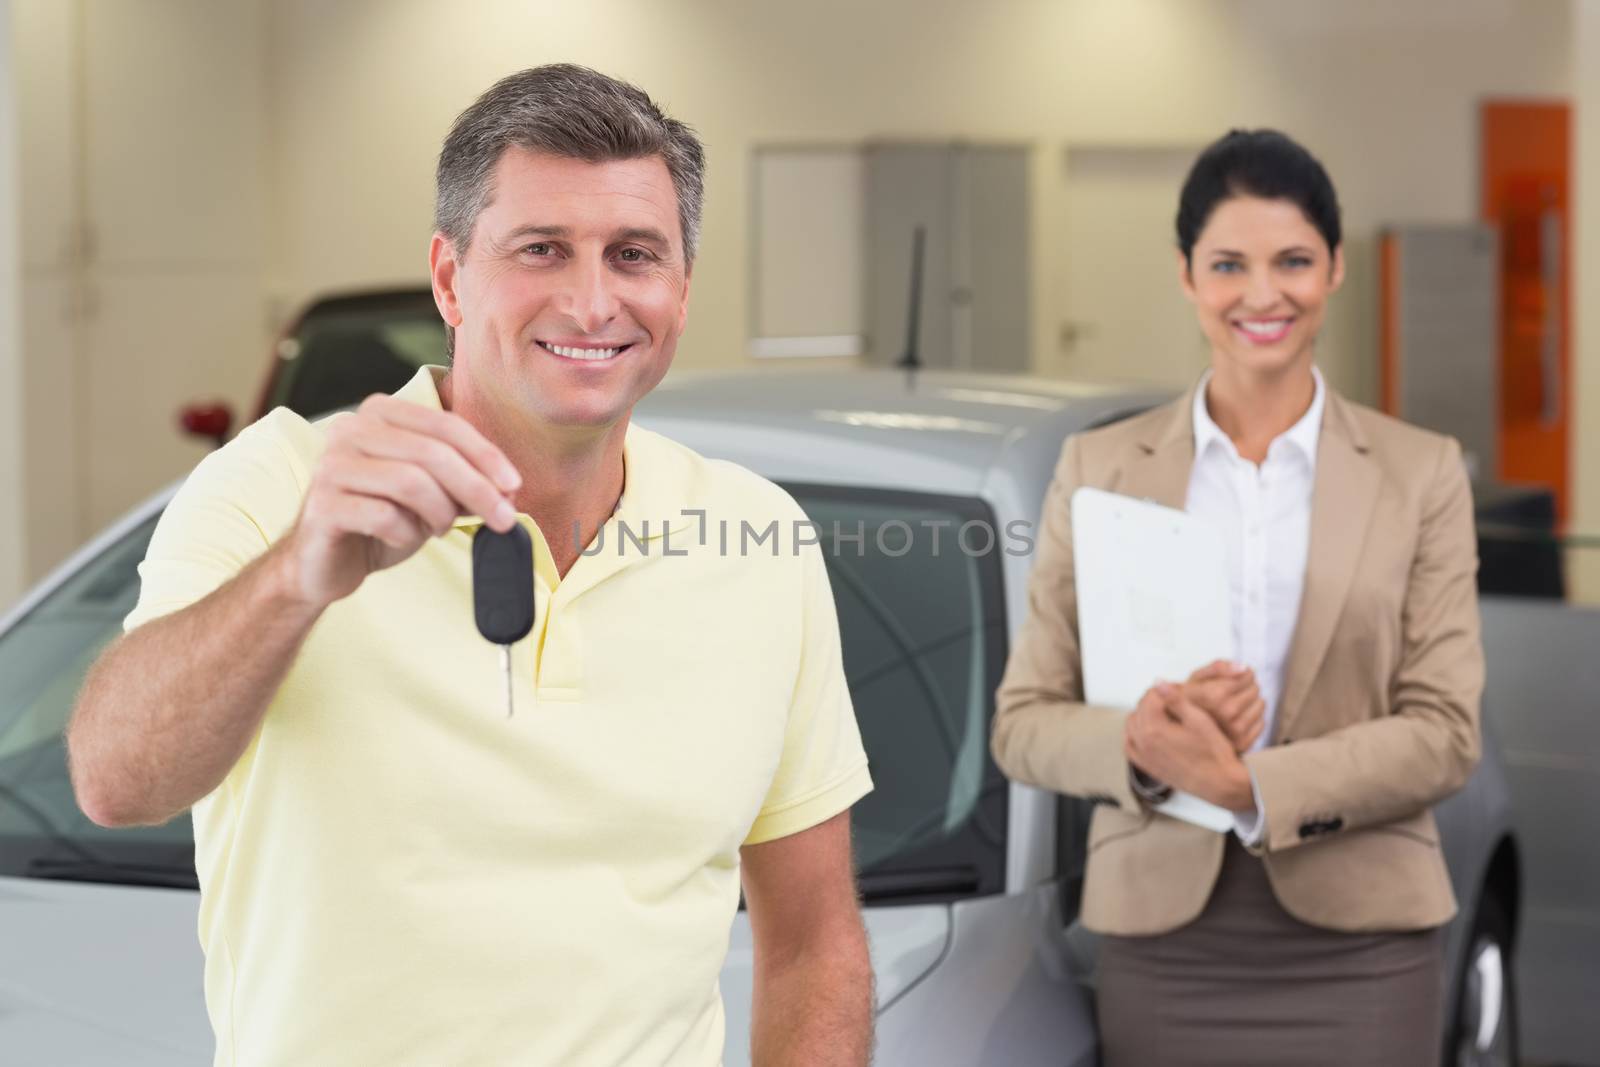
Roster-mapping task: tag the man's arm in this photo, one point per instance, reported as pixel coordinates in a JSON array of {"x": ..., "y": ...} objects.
[
  {"x": 167, "y": 711},
  {"x": 813, "y": 1002}
]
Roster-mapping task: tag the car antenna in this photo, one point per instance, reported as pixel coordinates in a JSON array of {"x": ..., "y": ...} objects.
[{"x": 911, "y": 361}]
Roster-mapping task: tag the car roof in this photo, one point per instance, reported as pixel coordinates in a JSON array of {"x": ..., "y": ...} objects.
[
  {"x": 370, "y": 300},
  {"x": 931, "y": 431}
]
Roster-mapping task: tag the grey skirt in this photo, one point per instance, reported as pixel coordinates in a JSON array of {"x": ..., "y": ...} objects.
[{"x": 1246, "y": 983}]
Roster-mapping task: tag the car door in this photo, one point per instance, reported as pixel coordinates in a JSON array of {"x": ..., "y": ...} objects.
[
  {"x": 100, "y": 961},
  {"x": 918, "y": 585}
]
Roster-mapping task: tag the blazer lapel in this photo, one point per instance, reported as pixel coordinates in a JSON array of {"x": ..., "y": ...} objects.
[
  {"x": 1158, "y": 469},
  {"x": 1343, "y": 498}
]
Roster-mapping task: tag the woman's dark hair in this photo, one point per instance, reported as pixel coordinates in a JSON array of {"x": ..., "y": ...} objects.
[{"x": 1262, "y": 163}]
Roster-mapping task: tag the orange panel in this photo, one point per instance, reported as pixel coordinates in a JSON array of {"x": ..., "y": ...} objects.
[{"x": 1525, "y": 170}]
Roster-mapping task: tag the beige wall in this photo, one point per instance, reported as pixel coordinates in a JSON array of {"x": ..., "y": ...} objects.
[
  {"x": 191, "y": 170},
  {"x": 1584, "y": 417},
  {"x": 143, "y": 201},
  {"x": 1385, "y": 91},
  {"x": 13, "y": 554}
]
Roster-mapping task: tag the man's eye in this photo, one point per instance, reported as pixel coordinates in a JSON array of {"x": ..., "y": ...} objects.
[
  {"x": 538, "y": 248},
  {"x": 632, "y": 255}
]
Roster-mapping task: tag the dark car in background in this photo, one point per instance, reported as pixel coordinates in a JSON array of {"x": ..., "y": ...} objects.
[{"x": 337, "y": 351}]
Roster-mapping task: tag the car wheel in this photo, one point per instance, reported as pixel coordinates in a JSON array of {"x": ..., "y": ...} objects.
[{"x": 1484, "y": 1033}]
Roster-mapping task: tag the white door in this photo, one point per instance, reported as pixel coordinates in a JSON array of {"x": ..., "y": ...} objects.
[{"x": 1121, "y": 314}]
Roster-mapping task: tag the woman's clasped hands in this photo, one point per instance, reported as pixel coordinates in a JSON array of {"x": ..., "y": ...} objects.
[{"x": 1191, "y": 735}]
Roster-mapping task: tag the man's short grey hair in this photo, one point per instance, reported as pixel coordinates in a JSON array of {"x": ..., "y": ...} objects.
[{"x": 564, "y": 110}]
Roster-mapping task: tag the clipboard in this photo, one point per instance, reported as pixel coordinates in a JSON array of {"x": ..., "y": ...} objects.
[{"x": 1152, "y": 605}]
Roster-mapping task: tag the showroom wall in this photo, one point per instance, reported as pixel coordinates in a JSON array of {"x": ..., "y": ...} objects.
[
  {"x": 364, "y": 91},
  {"x": 13, "y": 558},
  {"x": 143, "y": 226},
  {"x": 193, "y": 170},
  {"x": 1585, "y": 417}
]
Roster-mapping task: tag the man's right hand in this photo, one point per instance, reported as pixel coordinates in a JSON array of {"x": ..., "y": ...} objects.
[
  {"x": 1229, "y": 694},
  {"x": 393, "y": 475},
  {"x": 167, "y": 711}
]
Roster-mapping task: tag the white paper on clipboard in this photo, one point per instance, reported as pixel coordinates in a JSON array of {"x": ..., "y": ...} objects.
[{"x": 1152, "y": 606}]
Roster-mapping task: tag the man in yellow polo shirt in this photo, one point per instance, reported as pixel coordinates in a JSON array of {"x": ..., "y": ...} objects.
[{"x": 392, "y": 872}]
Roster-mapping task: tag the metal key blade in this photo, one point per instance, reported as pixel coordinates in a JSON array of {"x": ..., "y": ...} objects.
[
  {"x": 502, "y": 592},
  {"x": 505, "y": 664}
]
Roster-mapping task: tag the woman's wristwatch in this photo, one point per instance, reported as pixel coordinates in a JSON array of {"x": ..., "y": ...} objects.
[{"x": 1147, "y": 788}]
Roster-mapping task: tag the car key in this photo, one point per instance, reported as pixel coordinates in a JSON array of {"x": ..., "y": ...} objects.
[{"x": 502, "y": 591}]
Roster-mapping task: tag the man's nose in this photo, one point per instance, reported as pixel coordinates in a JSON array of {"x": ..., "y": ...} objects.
[{"x": 587, "y": 295}]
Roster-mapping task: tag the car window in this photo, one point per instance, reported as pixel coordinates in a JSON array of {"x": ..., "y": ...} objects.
[
  {"x": 342, "y": 354},
  {"x": 922, "y": 623},
  {"x": 1519, "y": 551},
  {"x": 43, "y": 660}
]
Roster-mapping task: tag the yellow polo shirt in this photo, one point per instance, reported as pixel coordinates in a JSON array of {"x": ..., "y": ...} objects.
[{"x": 394, "y": 873}]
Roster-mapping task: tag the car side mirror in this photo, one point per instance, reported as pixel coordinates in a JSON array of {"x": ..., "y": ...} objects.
[{"x": 211, "y": 421}]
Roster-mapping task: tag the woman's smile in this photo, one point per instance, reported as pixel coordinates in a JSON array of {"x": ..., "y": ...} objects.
[{"x": 1264, "y": 331}]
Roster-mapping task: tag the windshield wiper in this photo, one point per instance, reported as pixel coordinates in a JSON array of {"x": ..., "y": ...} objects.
[
  {"x": 51, "y": 831},
  {"x": 84, "y": 864},
  {"x": 940, "y": 882},
  {"x": 63, "y": 869}
]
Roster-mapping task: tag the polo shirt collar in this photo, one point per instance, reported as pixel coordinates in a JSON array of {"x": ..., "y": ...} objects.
[
  {"x": 1303, "y": 435},
  {"x": 656, "y": 484}
]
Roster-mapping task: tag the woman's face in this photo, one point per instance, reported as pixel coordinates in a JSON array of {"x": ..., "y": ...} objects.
[{"x": 1259, "y": 277}]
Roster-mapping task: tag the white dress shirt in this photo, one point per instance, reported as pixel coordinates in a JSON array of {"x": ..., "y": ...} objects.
[{"x": 1264, "y": 513}]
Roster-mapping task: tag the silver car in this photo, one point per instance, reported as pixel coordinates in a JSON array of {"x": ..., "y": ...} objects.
[{"x": 971, "y": 883}]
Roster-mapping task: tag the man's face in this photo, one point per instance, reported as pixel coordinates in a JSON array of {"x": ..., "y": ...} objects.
[{"x": 569, "y": 301}]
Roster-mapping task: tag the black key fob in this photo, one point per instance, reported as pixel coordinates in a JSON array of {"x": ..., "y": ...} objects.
[{"x": 502, "y": 584}]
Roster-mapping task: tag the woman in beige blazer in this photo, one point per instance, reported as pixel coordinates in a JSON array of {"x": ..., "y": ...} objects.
[{"x": 1310, "y": 933}]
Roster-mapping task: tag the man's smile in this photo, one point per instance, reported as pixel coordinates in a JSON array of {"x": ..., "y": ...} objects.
[{"x": 587, "y": 352}]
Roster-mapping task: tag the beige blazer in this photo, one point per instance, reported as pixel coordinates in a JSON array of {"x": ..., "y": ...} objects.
[{"x": 1378, "y": 720}]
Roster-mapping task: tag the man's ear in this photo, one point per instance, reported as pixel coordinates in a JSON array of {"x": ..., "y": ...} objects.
[
  {"x": 683, "y": 299},
  {"x": 444, "y": 270}
]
